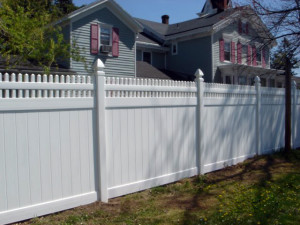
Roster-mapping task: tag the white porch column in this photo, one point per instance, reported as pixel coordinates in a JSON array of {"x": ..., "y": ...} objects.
[
  {"x": 200, "y": 128},
  {"x": 101, "y": 136}
]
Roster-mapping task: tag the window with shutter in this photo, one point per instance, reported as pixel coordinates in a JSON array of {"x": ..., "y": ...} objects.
[{"x": 227, "y": 51}]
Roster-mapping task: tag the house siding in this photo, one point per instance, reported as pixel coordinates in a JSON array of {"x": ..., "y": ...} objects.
[
  {"x": 231, "y": 30},
  {"x": 124, "y": 65},
  {"x": 192, "y": 55},
  {"x": 158, "y": 60},
  {"x": 139, "y": 55}
]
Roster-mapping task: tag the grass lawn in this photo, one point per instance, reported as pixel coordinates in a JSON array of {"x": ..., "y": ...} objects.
[{"x": 262, "y": 190}]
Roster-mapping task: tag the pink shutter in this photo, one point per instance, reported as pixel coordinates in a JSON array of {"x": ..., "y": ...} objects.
[
  {"x": 222, "y": 53},
  {"x": 239, "y": 53},
  {"x": 115, "y": 42},
  {"x": 254, "y": 62},
  {"x": 263, "y": 58},
  {"x": 232, "y": 52},
  {"x": 247, "y": 28},
  {"x": 94, "y": 38},
  {"x": 240, "y": 27},
  {"x": 249, "y": 55}
]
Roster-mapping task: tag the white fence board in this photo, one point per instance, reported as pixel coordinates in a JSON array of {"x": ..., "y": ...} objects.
[
  {"x": 55, "y": 155},
  {"x": 23, "y": 161},
  {"x": 3, "y": 193},
  {"x": 34, "y": 158},
  {"x": 45, "y": 156},
  {"x": 11, "y": 154},
  {"x": 76, "y": 157}
]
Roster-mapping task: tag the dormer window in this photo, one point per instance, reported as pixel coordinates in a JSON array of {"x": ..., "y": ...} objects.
[{"x": 243, "y": 27}]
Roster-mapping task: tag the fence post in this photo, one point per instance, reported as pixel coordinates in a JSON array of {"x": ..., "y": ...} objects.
[
  {"x": 101, "y": 136},
  {"x": 200, "y": 131},
  {"x": 294, "y": 113},
  {"x": 258, "y": 116}
]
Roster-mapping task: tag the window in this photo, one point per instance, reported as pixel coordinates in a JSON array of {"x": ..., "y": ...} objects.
[
  {"x": 258, "y": 56},
  {"x": 244, "y": 28},
  {"x": 244, "y": 54},
  {"x": 227, "y": 48},
  {"x": 174, "y": 48},
  {"x": 105, "y": 36},
  {"x": 272, "y": 83},
  {"x": 147, "y": 57}
]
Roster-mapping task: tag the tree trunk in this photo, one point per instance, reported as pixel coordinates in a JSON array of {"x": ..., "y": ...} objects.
[{"x": 288, "y": 129}]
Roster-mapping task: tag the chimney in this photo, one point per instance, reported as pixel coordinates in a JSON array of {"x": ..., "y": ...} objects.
[
  {"x": 221, "y": 5},
  {"x": 225, "y": 4},
  {"x": 165, "y": 19}
]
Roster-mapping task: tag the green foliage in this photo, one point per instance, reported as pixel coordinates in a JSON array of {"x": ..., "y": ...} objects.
[
  {"x": 64, "y": 6},
  {"x": 27, "y": 34},
  {"x": 270, "y": 203},
  {"x": 285, "y": 50}
]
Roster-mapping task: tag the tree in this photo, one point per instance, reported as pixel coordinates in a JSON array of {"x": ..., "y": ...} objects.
[
  {"x": 27, "y": 34},
  {"x": 283, "y": 20},
  {"x": 278, "y": 57},
  {"x": 64, "y": 6}
]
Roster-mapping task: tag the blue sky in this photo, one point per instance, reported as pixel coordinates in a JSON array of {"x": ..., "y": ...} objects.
[{"x": 178, "y": 10}]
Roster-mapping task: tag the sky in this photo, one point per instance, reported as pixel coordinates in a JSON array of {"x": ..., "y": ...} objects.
[{"x": 178, "y": 10}]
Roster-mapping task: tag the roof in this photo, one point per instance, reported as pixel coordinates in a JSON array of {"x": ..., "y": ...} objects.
[
  {"x": 190, "y": 25},
  {"x": 126, "y": 18},
  {"x": 28, "y": 67},
  {"x": 146, "y": 70},
  {"x": 143, "y": 37}
]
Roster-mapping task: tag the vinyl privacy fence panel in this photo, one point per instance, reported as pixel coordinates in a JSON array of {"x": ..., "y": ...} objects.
[
  {"x": 229, "y": 120},
  {"x": 46, "y": 146},
  {"x": 66, "y": 141},
  {"x": 272, "y": 118},
  {"x": 151, "y": 133}
]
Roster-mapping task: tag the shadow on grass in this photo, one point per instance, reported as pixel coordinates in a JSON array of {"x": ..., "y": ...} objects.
[{"x": 260, "y": 170}]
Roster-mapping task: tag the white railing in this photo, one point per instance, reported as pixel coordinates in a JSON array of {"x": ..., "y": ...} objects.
[
  {"x": 44, "y": 86},
  {"x": 147, "y": 88}
]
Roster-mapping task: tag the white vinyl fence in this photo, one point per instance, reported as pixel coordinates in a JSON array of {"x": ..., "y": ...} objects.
[{"x": 66, "y": 141}]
